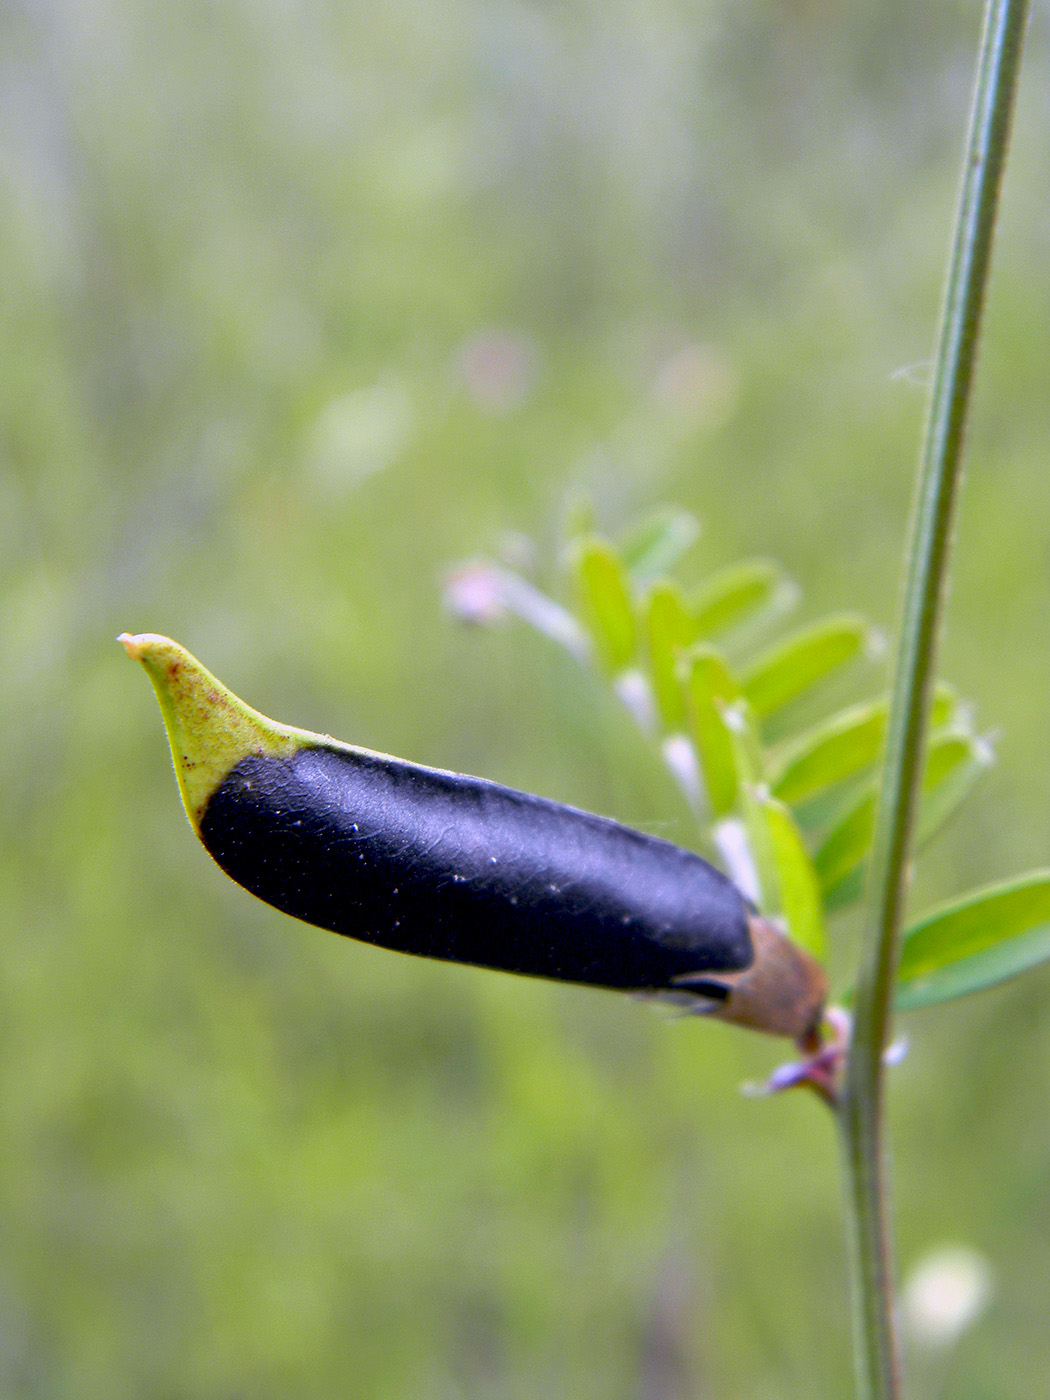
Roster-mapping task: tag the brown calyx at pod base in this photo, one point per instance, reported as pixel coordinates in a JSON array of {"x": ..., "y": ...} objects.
[{"x": 447, "y": 866}]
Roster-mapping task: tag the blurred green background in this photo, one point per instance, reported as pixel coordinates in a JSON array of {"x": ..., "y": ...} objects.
[{"x": 302, "y": 303}]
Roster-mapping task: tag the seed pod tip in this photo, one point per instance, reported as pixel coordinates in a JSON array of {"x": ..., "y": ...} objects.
[{"x": 209, "y": 729}]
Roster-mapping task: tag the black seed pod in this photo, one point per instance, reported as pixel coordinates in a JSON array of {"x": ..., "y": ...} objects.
[{"x": 453, "y": 867}]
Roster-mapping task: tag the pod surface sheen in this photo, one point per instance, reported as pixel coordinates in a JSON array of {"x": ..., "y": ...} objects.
[{"x": 463, "y": 869}]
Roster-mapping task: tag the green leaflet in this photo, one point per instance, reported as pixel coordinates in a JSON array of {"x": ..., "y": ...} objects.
[
  {"x": 801, "y": 660},
  {"x": 841, "y": 747},
  {"x": 605, "y": 602},
  {"x": 978, "y": 941},
  {"x": 799, "y": 890},
  {"x": 709, "y": 688},
  {"x": 988, "y": 936},
  {"x": 669, "y": 629},
  {"x": 738, "y": 595},
  {"x": 1020, "y": 952},
  {"x": 658, "y": 543},
  {"x": 954, "y": 763}
]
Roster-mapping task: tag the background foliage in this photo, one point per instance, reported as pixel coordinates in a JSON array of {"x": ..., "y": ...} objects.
[{"x": 300, "y": 304}]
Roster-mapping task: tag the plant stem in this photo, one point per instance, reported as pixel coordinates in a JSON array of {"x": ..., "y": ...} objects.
[{"x": 861, "y": 1116}]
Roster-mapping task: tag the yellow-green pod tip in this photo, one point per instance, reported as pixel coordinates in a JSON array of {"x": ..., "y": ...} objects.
[{"x": 209, "y": 729}]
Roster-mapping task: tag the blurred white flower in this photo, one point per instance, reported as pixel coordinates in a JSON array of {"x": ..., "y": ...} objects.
[
  {"x": 730, "y": 836},
  {"x": 359, "y": 434},
  {"x": 636, "y": 695},
  {"x": 945, "y": 1294},
  {"x": 680, "y": 757}
]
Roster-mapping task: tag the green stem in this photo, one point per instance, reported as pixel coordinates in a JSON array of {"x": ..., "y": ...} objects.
[{"x": 861, "y": 1117}]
